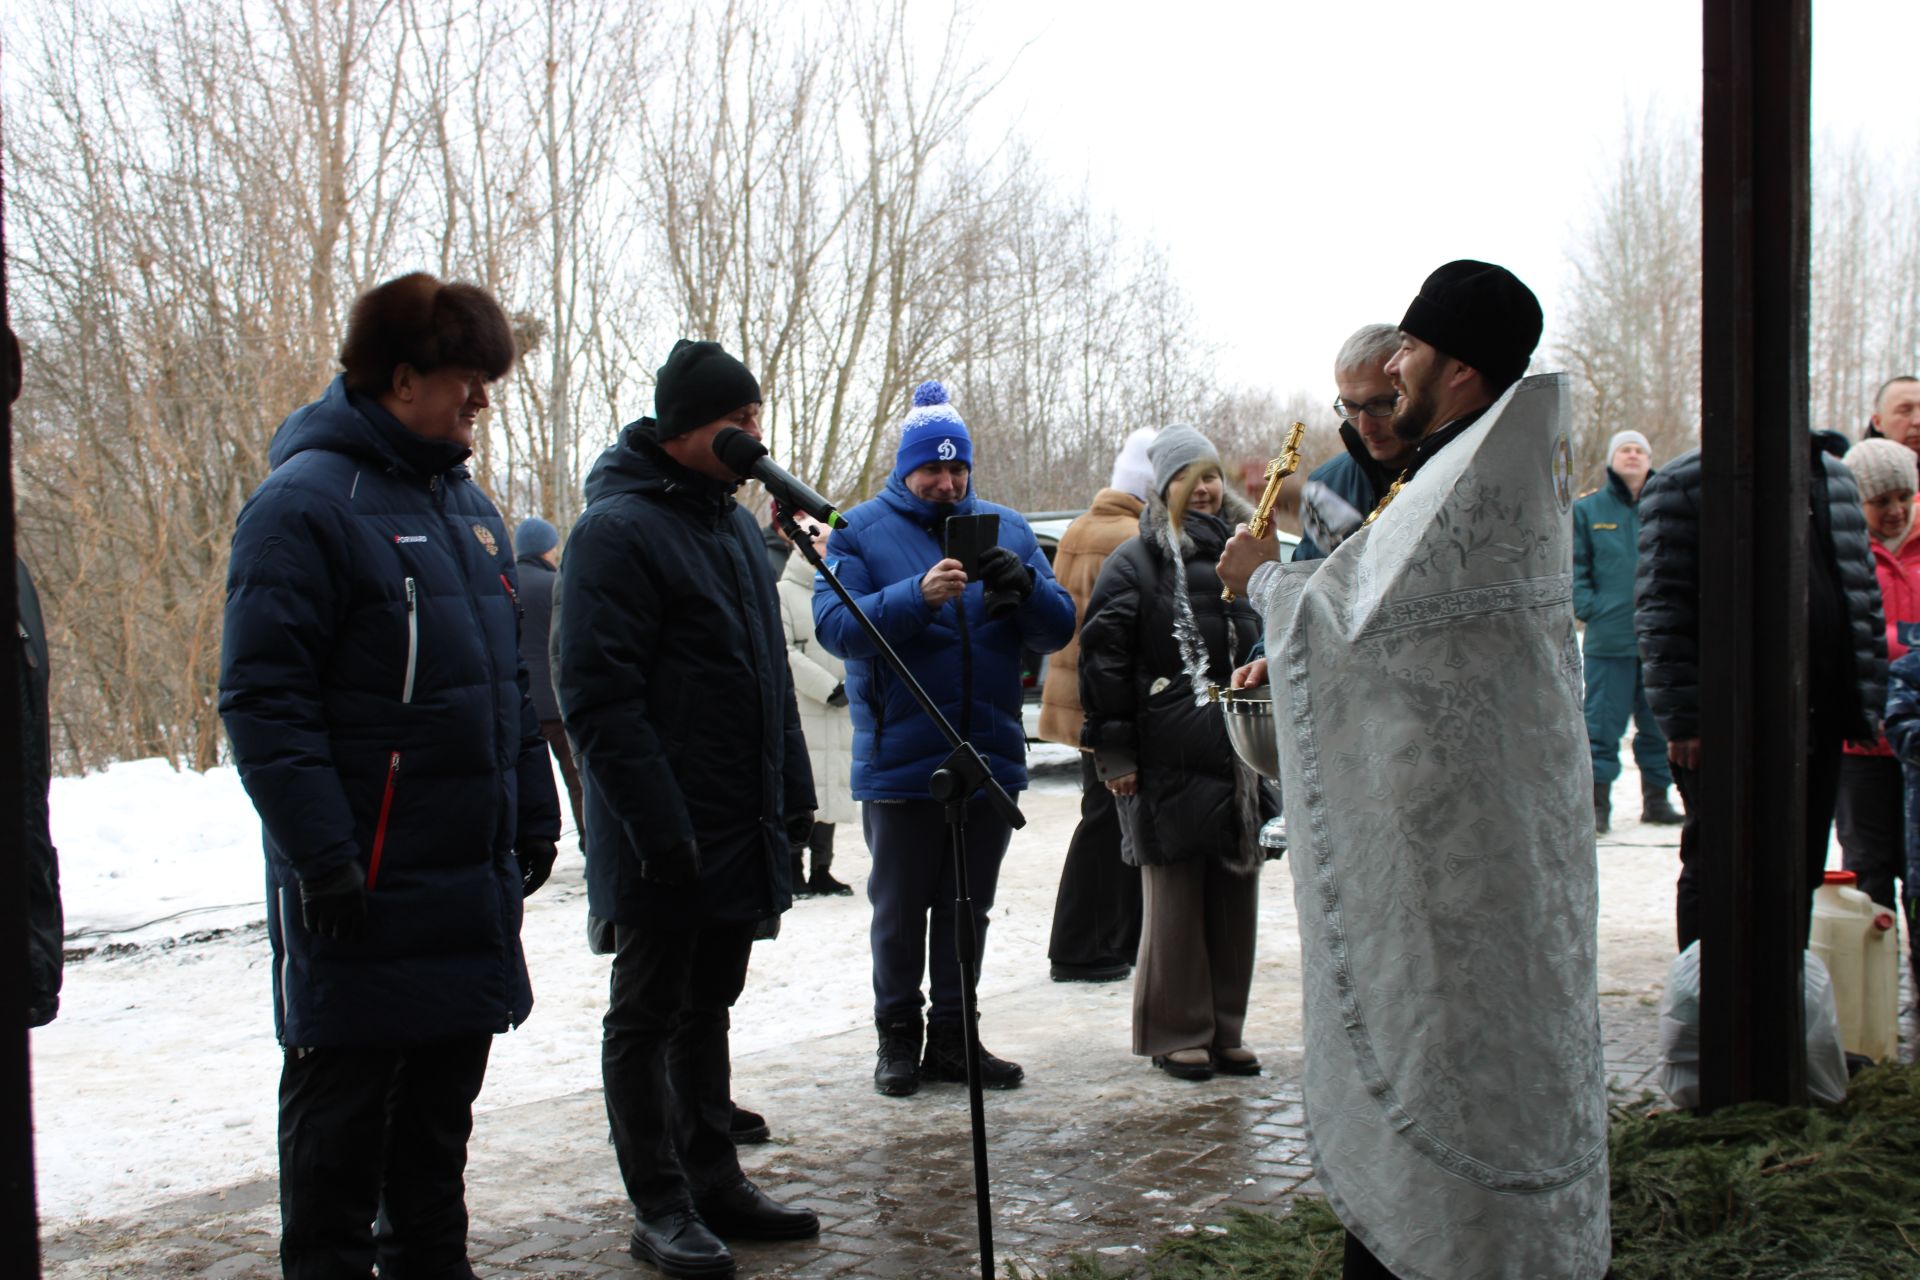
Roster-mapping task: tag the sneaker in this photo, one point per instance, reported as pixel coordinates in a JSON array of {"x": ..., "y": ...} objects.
[{"x": 946, "y": 1059}]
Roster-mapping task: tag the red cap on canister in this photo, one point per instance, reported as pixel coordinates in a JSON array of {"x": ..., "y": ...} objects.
[{"x": 1842, "y": 877}]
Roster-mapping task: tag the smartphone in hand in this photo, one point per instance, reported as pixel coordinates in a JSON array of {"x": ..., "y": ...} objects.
[{"x": 965, "y": 537}]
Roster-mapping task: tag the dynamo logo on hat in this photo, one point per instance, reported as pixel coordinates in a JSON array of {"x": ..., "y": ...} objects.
[{"x": 947, "y": 450}]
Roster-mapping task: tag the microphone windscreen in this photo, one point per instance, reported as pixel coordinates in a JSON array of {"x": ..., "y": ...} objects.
[{"x": 737, "y": 450}]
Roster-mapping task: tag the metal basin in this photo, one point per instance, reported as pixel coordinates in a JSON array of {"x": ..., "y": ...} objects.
[{"x": 1249, "y": 715}]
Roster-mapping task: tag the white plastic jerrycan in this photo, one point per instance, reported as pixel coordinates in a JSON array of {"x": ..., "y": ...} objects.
[{"x": 1859, "y": 942}]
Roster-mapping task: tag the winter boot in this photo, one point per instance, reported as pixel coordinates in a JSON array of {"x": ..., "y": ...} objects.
[
  {"x": 896, "y": 1073},
  {"x": 799, "y": 872},
  {"x": 1602, "y": 806},
  {"x": 947, "y": 1059},
  {"x": 1654, "y": 807},
  {"x": 822, "y": 881}
]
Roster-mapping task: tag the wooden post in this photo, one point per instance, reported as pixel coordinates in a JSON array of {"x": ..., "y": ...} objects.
[
  {"x": 1755, "y": 455},
  {"x": 19, "y": 1215}
]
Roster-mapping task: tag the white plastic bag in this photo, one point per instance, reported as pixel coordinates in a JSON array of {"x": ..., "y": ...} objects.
[{"x": 1680, "y": 1032}]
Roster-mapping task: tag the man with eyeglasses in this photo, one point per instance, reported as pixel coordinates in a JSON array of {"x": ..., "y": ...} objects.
[{"x": 1343, "y": 490}]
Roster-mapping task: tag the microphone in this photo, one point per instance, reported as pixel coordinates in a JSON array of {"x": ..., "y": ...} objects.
[{"x": 747, "y": 458}]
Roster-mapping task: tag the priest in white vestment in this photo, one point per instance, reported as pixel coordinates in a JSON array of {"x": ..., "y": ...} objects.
[{"x": 1438, "y": 785}]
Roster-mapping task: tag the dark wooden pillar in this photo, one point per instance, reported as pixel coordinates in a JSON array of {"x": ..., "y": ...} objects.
[
  {"x": 19, "y": 1217},
  {"x": 1753, "y": 548}
]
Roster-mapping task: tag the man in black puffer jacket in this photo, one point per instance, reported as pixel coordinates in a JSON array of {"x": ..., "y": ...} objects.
[
  {"x": 372, "y": 685},
  {"x": 671, "y": 667},
  {"x": 1846, "y": 649}
]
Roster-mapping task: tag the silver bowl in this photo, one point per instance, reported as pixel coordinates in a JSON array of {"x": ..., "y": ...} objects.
[{"x": 1249, "y": 715}]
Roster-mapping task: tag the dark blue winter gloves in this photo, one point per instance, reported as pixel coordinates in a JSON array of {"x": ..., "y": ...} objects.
[
  {"x": 677, "y": 865},
  {"x": 334, "y": 905},
  {"x": 535, "y": 856}
]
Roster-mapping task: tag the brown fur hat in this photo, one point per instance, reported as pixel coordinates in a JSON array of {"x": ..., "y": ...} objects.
[{"x": 421, "y": 320}]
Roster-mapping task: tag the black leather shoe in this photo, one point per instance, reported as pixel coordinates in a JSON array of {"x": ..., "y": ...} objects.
[
  {"x": 747, "y": 1128},
  {"x": 946, "y": 1059},
  {"x": 679, "y": 1244},
  {"x": 745, "y": 1212}
]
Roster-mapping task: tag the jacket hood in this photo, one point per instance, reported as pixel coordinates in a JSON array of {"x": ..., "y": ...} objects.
[
  {"x": 923, "y": 513},
  {"x": 1115, "y": 502},
  {"x": 635, "y": 463},
  {"x": 1830, "y": 442},
  {"x": 341, "y": 421}
]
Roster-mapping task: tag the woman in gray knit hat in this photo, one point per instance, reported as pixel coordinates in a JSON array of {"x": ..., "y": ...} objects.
[{"x": 1156, "y": 634}]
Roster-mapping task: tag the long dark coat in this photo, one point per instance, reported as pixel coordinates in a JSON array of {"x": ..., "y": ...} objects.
[
  {"x": 371, "y": 683},
  {"x": 1139, "y": 696},
  {"x": 670, "y": 665}
]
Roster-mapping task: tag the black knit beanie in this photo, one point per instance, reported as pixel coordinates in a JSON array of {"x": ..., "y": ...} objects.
[
  {"x": 1481, "y": 315},
  {"x": 699, "y": 383}
]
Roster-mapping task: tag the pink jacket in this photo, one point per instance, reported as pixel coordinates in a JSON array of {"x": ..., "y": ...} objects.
[{"x": 1899, "y": 573}]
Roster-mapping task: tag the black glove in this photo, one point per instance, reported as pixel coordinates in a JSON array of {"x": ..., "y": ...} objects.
[
  {"x": 838, "y": 698},
  {"x": 799, "y": 829},
  {"x": 1002, "y": 570},
  {"x": 335, "y": 905},
  {"x": 677, "y": 865},
  {"x": 535, "y": 856}
]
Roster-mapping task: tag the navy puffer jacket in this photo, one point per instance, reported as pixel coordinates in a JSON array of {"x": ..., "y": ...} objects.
[
  {"x": 372, "y": 685},
  {"x": 1667, "y": 591},
  {"x": 670, "y": 662},
  {"x": 968, "y": 663}
]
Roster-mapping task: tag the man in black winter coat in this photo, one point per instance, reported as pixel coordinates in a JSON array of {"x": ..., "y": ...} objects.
[
  {"x": 536, "y": 543},
  {"x": 670, "y": 664},
  {"x": 1846, "y": 646},
  {"x": 45, "y": 921},
  {"x": 371, "y": 683}
]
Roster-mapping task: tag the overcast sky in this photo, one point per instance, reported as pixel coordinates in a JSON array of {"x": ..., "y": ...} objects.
[{"x": 1305, "y": 163}]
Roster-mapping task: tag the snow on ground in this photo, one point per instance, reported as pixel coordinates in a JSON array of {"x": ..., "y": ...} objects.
[{"x": 159, "y": 1077}]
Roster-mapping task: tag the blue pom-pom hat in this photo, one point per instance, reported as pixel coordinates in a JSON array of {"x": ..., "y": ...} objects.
[{"x": 933, "y": 432}]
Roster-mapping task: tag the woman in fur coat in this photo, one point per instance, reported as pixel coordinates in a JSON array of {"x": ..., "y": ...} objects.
[{"x": 1156, "y": 635}]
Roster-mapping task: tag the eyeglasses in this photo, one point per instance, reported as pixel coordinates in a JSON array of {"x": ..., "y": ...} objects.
[{"x": 1378, "y": 407}]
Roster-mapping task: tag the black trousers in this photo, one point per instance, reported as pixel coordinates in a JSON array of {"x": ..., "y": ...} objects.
[
  {"x": 555, "y": 732},
  {"x": 370, "y": 1134},
  {"x": 1871, "y": 818},
  {"x": 666, "y": 1063},
  {"x": 1096, "y": 914},
  {"x": 913, "y": 890},
  {"x": 1823, "y": 785}
]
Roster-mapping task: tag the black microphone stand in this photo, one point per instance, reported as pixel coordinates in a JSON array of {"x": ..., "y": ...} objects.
[{"x": 961, "y": 774}]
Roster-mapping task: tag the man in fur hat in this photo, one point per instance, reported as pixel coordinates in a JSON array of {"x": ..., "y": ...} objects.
[{"x": 371, "y": 682}]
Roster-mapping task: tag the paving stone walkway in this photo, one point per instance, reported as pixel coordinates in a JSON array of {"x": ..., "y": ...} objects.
[
  {"x": 1113, "y": 1175},
  {"x": 1097, "y": 1151}
]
